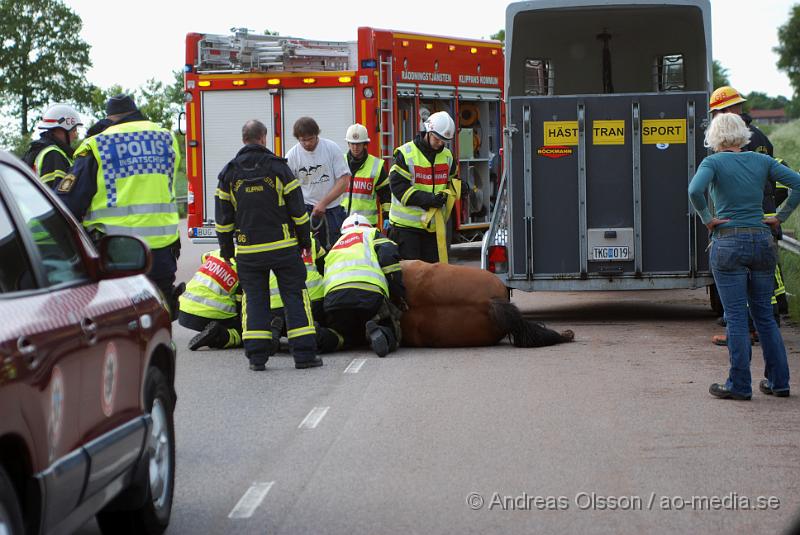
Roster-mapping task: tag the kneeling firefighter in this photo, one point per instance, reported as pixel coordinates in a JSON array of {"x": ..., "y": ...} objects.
[
  {"x": 212, "y": 304},
  {"x": 362, "y": 272}
]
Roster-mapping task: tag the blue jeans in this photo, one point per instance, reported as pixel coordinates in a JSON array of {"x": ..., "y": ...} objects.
[
  {"x": 743, "y": 262},
  {"x": 332, "y": 230}
]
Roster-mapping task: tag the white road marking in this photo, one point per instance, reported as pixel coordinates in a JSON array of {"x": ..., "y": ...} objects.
[
  {"x": 314, "y": 418},
  {"x": 355, "y": 366},
  {"x": 251, "y": 500}
]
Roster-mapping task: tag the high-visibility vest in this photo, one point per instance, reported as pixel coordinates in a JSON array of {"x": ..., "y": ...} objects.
[
  {"x": 55, "y": 174},
  {"x": 363, "y": 186},
  {"x": 313, "y": 280},
  {"x": 422, "y": 176},
  {"x": 135, "y": 182},
  {"x": 212, "y": 291},
  {"x": 353, "y": 263}
]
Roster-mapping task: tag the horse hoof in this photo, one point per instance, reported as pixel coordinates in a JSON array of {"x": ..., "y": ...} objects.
[{"x": 568, "y": 335}]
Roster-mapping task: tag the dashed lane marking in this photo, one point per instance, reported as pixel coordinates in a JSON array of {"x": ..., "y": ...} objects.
[
  {"x": 355, "y": 366},
  {"x": 251, "y": 500},
  {"x": 314, "y": 418}
]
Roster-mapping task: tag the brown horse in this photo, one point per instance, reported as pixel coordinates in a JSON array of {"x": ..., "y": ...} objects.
[{"x": 460, "y": 306}]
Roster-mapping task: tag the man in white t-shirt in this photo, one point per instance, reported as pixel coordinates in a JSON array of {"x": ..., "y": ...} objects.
[{"x": 323, "y": 174}]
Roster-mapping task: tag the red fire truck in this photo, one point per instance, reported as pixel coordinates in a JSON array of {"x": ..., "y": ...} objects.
[{"x": 388, "y": 81}]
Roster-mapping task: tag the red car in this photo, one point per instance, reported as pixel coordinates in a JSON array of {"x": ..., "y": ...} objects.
[{"x": 87, "y": 369}]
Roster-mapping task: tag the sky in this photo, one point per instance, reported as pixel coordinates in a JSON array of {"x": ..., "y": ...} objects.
[{"x": 134, "y": 41}]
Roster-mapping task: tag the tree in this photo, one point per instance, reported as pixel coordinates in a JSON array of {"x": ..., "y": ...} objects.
[
  {"x": 499, "y": 36},
  {"x": 42, "y": 56},
  {"x": 788, "y": 49},
  {"x": 720, "y": 75},
  {"x": 157, "y": 101}
]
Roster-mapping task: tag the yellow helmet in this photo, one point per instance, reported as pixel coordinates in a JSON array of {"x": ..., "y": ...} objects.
[{"x": 724, "y": 97}]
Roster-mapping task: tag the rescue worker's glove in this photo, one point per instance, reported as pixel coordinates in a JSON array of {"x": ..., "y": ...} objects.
[
  {"x": 227, "y": 252},
  {"x": 304, "y": 242},
  {"x": 434, "y": 201}
]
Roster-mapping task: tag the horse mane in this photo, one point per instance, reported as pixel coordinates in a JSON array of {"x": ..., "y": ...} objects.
[{"x": 523, "y": 333}]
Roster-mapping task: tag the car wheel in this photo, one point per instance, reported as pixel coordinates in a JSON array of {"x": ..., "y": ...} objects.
[
  {"x": 10, "y": 514},
  {"x": 153, "y": 517}
]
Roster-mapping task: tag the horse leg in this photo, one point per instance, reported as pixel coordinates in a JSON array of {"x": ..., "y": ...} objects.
[{"x": 524, "y": 333}]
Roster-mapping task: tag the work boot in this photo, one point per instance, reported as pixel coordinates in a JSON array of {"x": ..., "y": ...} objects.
[
  {"x": 377, "y": 339},
  {"x": 276, "y": 327},
  {"x": 214, "y": 335},
  {"x": 258, "y": 362},
  {"x": 174, "y": 304},
  {"x": 765, "y": 388},
  {"x": 313, "y": 363}
]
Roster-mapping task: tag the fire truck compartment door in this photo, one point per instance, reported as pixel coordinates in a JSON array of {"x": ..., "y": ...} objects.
[
  {"x": 224, "y": 114},
  {"x": 331, "y": 107}
]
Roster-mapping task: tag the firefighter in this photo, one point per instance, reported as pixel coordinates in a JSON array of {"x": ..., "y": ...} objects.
[
  {"x": 424, "y": 186},
  {"x": 369, "y": 185},
  {"x": 323, "y": 175},
  {"x": 123, "y": 182},
  {"x": 51, "y": 155},
  {"x": 726, "y": 99},
  {"x": 259, "y": 205},
  {"x": 362, "y": 272},
  {"x": 212, "y": 305},
  {"x": 314, "y": 262}
]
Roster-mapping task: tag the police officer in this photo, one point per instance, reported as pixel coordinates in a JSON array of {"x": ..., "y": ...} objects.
[
  {"x": 212, "y": 305},
  {"x": 423, "y": 171},
  {"x": 369, "y": 180},
  {"x": 51, "y": 155},
  {"x": 123, "y": 182},
  {"x": 362, "y": 272},
  {"x": 259, "y": 204}
]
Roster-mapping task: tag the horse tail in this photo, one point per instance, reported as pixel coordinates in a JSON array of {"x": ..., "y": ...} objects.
[{"x": 523, "y": 333}]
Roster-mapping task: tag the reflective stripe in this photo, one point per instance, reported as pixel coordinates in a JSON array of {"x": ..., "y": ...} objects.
[
  {"x": 366, "y": 286},
  {"x": 50, "y": 177},
  {"x": 136, "y": 209},
  {"x": 291, "y": 186},
  {"x": 209, "y": 302},
  {"x": 224, "y": 195},
  {"x": 256, "y": 335},
  {"x": 301, "y": 331},
  {"x": 167, "y": 230},
  {"x": 392, "y": 268},
  {"x": 355, "y": 273},
  {"x": 263, "y": 247},
  {"x": 300, "y": 220},
  {"x": 223, "y": 228}
]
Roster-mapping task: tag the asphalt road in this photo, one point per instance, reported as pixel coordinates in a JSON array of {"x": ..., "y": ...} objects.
[{"x": 614, "y": 433}]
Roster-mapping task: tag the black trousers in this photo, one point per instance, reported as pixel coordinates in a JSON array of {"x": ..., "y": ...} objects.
[
  {"x": 198, "y": 323},
  {"x": 254, "y": 270},
  {"x": 162, "y": 271},
  {"x": 415, "y": 244},
  {"x": 348, "y": 326},
  {"x": 317, "y": 312}
]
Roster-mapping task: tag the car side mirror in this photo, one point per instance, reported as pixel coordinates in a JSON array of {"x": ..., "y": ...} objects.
[{"x": 123, "y": 256}]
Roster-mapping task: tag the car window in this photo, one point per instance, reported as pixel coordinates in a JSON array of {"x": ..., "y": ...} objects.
[
  {"x": 15, "y": 270},
  {"x": 50, "y": 230}
]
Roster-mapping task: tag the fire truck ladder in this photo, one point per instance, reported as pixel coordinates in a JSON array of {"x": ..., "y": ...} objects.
[{"x": 386, "y": 120}]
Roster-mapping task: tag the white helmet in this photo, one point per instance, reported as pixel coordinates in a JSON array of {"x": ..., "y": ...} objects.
[
  {"x": 355, "y": 220},
  {"x": 60, "y": 116},
  {"x": 357, "y": 133},
  {"x": 441, "y": 124}
]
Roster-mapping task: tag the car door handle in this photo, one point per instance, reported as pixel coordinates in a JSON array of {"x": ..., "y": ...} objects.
[
  {"x": 28, "y": 351},
  {"x": 89, "y": 328}
]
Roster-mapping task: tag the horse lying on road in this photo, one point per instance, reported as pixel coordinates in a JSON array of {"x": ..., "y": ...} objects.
[{"x": 461, "y": 306}]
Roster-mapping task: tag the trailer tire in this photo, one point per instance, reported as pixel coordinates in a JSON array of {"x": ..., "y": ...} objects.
[{"x": 714, "y": 300}]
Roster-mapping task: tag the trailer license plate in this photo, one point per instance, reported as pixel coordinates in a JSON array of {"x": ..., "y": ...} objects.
[
  {"x": 611, "y": 253},
  {"x": 205, "y": 232}
]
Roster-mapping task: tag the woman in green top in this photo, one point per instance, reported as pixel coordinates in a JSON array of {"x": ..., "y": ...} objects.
[{"x": 743, "y": 253}]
